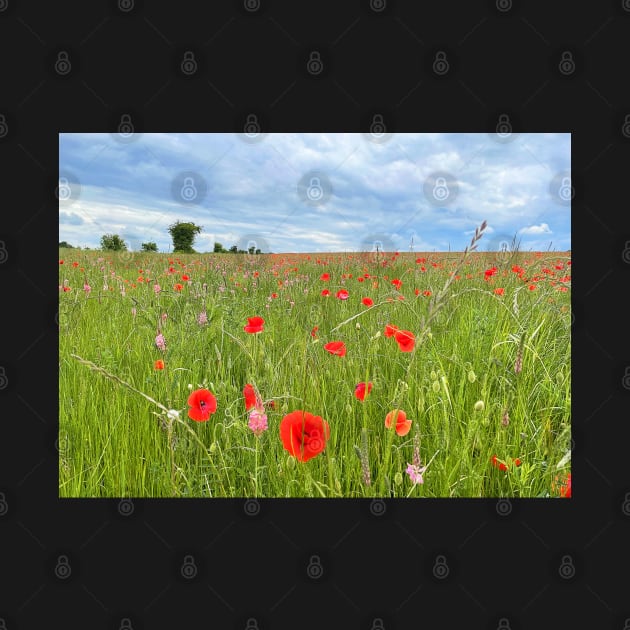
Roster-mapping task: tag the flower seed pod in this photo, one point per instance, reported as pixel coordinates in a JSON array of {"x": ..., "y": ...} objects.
[
  {"x": 479, "y": 405},
  {"x": 472, "y": 377}
]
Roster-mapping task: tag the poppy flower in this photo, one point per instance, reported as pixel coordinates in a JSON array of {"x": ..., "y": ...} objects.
[
  {"x": 250, "y": 396},
  {"x": 314, "y": 331},
  {"x": 362, "y": 390},
  {"x": 303, "y": 434},
  {"x": 325, "y": 292},
  {"x": 342, "y": 294},
  {"x": 397, "y": 283},
  {"x": 336, "y": 347},
  {"x": 255, "y": 325},
  {"x": 497, "y": 463},
  {"x": 185, "y": 277},
  {"x": 159, "y": 364},
  {"x": 499, "y": 291},
  {"x": 325, "y": 277},
  {"x": 390, "y": 330},
  {"x": 405, "y": 340},
  {"x": 202, "y": 404},
  {"x": 367, "y": 302},
  {"x": 402, "y": 424},
  {"x": 564, "y": 489},
  {"x": 179, "y": 287}
]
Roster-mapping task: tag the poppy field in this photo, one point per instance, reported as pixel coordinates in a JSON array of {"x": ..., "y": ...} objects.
[{"x": 341, "y": 375}]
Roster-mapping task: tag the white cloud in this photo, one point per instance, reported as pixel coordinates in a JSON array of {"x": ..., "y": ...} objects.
[{"x": 543, "y": 228}]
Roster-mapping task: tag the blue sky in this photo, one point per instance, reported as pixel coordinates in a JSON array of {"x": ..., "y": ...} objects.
[{"x": 318, "y": 192}]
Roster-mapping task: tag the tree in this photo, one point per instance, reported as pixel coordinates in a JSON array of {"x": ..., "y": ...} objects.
[
  {"x": 234, "y": 249},
  {"x": 219, "y": 249},
  {"x": 183, "y": 235},
  {"x": 149, "y": 247},
  {"x": 113, "y": 243},
  {"x": 65, "y": 244}
]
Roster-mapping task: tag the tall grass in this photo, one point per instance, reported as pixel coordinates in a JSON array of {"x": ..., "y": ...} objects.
[{"x": 117, "y": 438}]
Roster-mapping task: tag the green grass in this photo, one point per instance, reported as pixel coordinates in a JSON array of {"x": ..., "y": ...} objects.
[{"x": 114, "y": 442}]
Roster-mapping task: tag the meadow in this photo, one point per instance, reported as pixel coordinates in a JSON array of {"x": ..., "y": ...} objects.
[{"x": 366, "y": 374}]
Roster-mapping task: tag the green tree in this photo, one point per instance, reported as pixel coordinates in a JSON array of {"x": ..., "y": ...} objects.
[
  {"x": 219, "y": 249},
  {"x": 183, "y": 235},
  {"x": 113, "y": 243},
  {"x": 234, "y": 249},
  {"x": 149, "y": 247},
  {"x": 65, "y": 244}
]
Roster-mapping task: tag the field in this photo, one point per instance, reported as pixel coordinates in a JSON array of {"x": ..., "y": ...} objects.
[{"x": 469, "y": 358}]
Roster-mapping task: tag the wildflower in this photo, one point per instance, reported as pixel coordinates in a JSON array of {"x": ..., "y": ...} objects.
[
  {"x": 505, "y": 419},
  {"x": 185, "y": 277},
  {"x": 202, "y": 404},
  {"x": 87, "y": 288},
  {"x": 250, "y": 396},
  {"x": 499, "y": 291},
  {"x": 563, "y": 489},
  {"x": 202, "y": 319},
  {"x": 342, "y": 294},
  {"x": 314, "y": 331},
  {"x": 325, "y": 292},
  {"x": 390, "y": 330},
  {"x": 255, "y": 325},
  {"x": 497, "y": 463},
  {"x": 257, "y": 422},
  {"x": 397, "y": 283},
  {"x": 415, "y": 473},
  {"x": 178, "y": 287},
  {"x": 156, "y": 288},
  {"x": 402, "y": 424},
  {"x": 405, "y": 340},
  {"x": 160, "y": 342},
  {"x": 426, "y": 293},
  {"x": 159, "y": 364},
  {"x": 367, "y": 302},
  {"x": 325, "y": 277},
  {"x": 336, "y": 347},
  {"x": 303, "y": 434},
  {"x": 362, "y": 390}
]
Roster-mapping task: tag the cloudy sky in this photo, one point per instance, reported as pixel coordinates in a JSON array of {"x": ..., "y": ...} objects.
[{"x": 318, "y": 192}]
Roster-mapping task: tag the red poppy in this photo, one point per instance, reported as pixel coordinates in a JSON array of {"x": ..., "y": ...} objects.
[
  {"x": 250, "y": 396},
  {"x": 314, "y": 331},
  {"x": 202, "y": 404},
  {"x": 255, "y": 325},
  {"x": 179, "y": 287},
  {"x": 390, "y": 330},
  {"x": 565, "y": 490},
  {"x": 274, "y": 295},
  {"x": 361, "y": 279},
  {"x": 367, "y": 301},
  {"x": 405, "y": 340},
  {"x": 325, "y": 292},
  {"x": 361, "y": 390},
  {"x": 499, "y": 291},
  {"x": 426, "y": 293},
  {"x": 336, "y": 347},
  {"x": 397, "y": 283},
  {"x": 488, "y": 273},
  {"x": 402, "y": 424},
  {"x": 303, "y": 434},
  {"x": 185, "y": 277},
  {"x": 325, "y": 277},
  {"x": 342, "y": 294},
  {"x": 61, "y": 262},
  {"x": 75, "y": 264},
  {"x": 159, "y": 364},
  {"x": 498, "y": 464}
]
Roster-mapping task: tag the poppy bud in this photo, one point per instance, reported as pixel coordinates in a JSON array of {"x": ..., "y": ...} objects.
[
  {"x": 398, "y": 478},
  {"x": 433, "y": 375},
  {"x": 472, "y": 377},
  {"x": 436, "y": 386},
  {"x": 213, "y": 447},
  {"x": 479, "y": 405}
]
